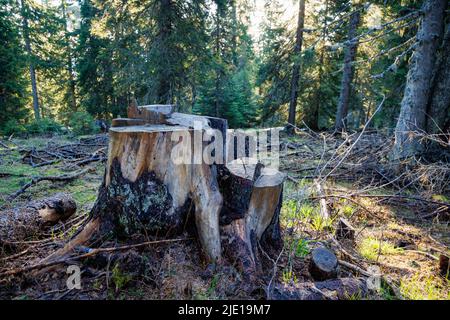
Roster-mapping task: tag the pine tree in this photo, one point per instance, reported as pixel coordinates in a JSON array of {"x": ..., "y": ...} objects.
[{"x": 12, "y": 68}]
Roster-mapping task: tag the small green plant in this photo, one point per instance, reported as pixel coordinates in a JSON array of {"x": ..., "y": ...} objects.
[
  {"x": 320, "y": 223},
  {"x": 119, "y": 278},
  {"x": 348, "y": 211},
  {"x": 213, "y": 285},
  {"x": 288, "y": 276},
  {"x": 370, "y": 248},
  {"x": 306, "y": 211},
  {"x": 353, "y": 297},
  {"x": 81, "y": 123},
  {"x": 302, "y": 249}
]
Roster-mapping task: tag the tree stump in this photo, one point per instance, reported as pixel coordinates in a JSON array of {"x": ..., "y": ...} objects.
[
  {"x": 345, "y": 230},
  {"x": 147, "y": 189},
  {"x": 323, "y": 264}
]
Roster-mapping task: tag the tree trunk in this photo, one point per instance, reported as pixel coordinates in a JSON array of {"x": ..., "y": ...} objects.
[
  {"x": 147, "y": 188},
  {"x": 72, "y": 94},
  {"x": 439, "y": 106},
  {"x": 347, "y": 74},
  {"x": 312, "y": 120},
  {"x": 26, "y": 36},
  {"x": 296, "y": 69},
  {"x": 413, "y": 110}
]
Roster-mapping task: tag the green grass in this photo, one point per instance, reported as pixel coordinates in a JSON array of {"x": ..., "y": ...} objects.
[
  {"x": 347, "y": 211},
  {"x": 288, "y": 276},
  {"x": 424, "y": 288},
  {"x": 370, "y": 248}
]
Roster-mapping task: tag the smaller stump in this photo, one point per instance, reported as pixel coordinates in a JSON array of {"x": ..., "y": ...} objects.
[
  {"x": 345, "y": 230},
  {"x": 444, "y": 265},
  {"x": 323, "y": 264}
]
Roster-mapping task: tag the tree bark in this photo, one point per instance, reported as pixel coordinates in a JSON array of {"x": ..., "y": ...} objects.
[
  {"x": 347, "y": 74},
  {"x": 72, "y": 93},
  {"x": 26, "y": 36},
  {"x": 413, "y": 112},
  {"x": 312, "y": 120},
  {"x": 439, "y": 106},
  {"x": 296, "y": 69}
]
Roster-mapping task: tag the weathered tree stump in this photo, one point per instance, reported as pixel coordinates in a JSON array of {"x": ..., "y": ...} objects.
[
  {"x": 23, "y": 222},
  {"x": 250, "y": 213},
  {"x": 148, "y": 189}
]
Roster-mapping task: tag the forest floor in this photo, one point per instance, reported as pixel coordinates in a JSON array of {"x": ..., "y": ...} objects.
[{"x": 401, "y": 223}]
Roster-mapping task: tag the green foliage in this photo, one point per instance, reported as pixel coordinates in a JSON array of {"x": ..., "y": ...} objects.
[
  {"x": 288, "y": 276},
  {"x": 12, "y": 126},
  {"x": 371, "y": 248},
  {"x": 419, "y": 287},
  {"x": 302, "y": 249},
  {"x": 119, "y": 278},
  {"x": 81, "y": 123},
  {"x": 42, "y": 126},
  {"x": 12, "y": 70}
]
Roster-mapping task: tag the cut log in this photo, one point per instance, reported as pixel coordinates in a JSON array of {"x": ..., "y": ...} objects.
[
  {"x": 323, "y": 264},
  {"x": 21, "y": 223},
  {"x": 154, "y": 182}
]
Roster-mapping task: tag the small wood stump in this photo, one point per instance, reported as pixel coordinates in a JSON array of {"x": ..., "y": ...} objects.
[
  {"x": 345, "y": 230},
  {"x": 323, "y": 264},
  {"x": 444, "y": 265},
  {"x": 145, "y": 189}
]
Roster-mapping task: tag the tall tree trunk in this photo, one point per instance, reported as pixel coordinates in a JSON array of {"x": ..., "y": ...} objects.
[
  {"x": 347, "y": 74},
  {"x": 72, "y": 99},
  {"x": 218, "y": 68},
  {"x": 419, "y": 81},
  {"x": 312, "y": 121},
  {"x": 26, "y": 36},
  {"x": 439, "y": 106},
  {"x": 296, "y": 70},
  {"x": 234, "y": 32}
]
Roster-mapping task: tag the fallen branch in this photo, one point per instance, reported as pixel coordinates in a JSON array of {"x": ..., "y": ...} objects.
[{"x": 36, "y": 180}]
